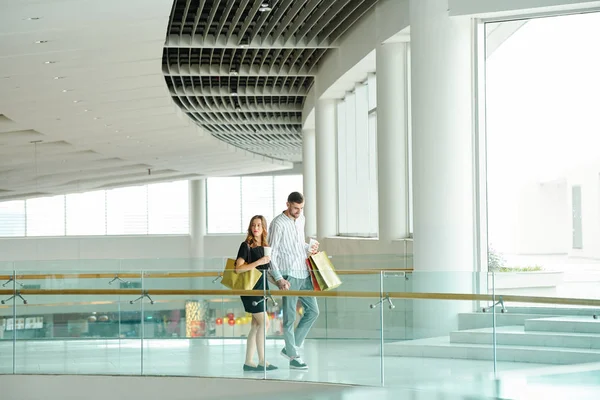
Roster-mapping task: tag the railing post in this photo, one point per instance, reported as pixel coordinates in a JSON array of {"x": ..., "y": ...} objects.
[{"x": 381, "y": 354}]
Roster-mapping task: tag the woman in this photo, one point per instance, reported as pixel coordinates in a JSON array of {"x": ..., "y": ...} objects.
[{"x": 251, "y": 255}]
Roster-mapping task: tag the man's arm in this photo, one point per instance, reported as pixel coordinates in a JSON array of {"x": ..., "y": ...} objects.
[
  {"x": 302, "y": 238},
  {"x": 275, "y": 234}
]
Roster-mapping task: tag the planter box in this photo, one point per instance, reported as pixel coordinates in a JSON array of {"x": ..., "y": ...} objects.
[{"x": 533, "y": 283}]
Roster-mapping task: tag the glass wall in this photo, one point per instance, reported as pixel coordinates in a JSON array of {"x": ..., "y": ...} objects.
[{"x": 543, "y": 170}]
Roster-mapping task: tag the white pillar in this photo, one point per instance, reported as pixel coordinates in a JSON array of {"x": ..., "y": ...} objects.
[
  {"x": 443, "y": 183},
  {"x": 325, "y": 117},
  {"x": 309, "y": 179},
  {"x": 392, "y": 141},
  {"x": 197, "y": 218}
]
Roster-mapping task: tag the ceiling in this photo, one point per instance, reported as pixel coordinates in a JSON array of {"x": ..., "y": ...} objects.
[
  {"x": 92, "y": 98},
  {"x": 242, "y": 69}
]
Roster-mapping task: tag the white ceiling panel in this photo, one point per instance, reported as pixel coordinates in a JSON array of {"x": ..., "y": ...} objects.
[{"x": 92, "y": 92}]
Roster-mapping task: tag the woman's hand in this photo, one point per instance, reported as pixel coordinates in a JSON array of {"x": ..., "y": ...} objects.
[{"x": 264, "y": 260}]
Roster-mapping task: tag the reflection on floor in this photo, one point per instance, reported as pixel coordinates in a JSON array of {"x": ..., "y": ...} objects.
[
  {"x": 336, "y": 361},
  {"x": 354, "y": 362}
]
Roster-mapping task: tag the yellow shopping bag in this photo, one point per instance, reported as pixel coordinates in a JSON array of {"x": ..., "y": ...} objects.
[
  {"x": 242, "y": 281},
  {"x": 323, "y": 272}
]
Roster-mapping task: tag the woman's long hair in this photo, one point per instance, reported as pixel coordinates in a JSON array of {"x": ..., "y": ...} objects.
[{"x": 250, "y": 236}]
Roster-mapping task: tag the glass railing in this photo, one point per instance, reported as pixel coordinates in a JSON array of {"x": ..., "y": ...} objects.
[{"x": 386, "y": 325}]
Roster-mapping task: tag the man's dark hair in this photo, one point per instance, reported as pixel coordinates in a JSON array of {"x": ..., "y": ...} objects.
[{"x": 295, "y": 197}]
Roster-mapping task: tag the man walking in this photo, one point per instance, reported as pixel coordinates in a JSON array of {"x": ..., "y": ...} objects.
[{"x": 289, "y": 269}]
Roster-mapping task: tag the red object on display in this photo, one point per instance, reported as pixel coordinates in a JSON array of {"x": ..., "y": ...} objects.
[
  {"x": 230, "y": 315},
  {"x": 231, "y": 322},
  {"x": 219, "y": 321}
]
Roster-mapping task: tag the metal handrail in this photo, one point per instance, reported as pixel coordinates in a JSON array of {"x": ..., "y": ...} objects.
[
  {"x": 198, "y": 274},
  {"x": 333, "y": 293}
]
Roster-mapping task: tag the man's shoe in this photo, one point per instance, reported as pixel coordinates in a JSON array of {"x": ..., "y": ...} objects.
[
  {"x": 297, "y": 363},
  {"x": 285, "y": 354}
]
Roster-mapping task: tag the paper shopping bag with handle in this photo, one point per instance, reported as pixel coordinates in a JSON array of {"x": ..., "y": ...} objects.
[
  {"x": 242, "y": 281},
  {"x": 324, "y": 272},
  {"x": 313, "y": 278}
]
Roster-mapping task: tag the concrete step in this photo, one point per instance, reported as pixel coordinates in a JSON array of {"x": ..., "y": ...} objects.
[
  {"x": 441, "y": 347},
  {"x": 518, "y": 336},
  {"x": 478, "y": 320},
  {"x": 572, "y": 324}
]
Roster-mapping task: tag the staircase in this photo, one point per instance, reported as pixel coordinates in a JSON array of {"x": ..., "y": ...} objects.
[{"x": 520, "y": 337}]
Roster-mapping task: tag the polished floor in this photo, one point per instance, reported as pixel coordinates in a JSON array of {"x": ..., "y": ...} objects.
[
  {"x": 353, "y": 362},
  {"x": 334, "y": 361}
]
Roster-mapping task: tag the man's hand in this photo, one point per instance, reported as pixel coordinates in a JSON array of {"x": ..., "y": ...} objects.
[
  {"x": 282, "y": 284},
  {"x": 315, "y": 247}
]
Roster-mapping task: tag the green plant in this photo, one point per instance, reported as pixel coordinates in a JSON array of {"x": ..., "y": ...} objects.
[
  {"x": 495, "y": 260},
  {"x": 531, "y": 268}
]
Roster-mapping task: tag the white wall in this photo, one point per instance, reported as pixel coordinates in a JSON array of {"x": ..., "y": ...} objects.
[
  {"x": 530, "y": 219},
  {"x": 227, "y": 246},
  {"x": 222, "y": 245},
  {"x": 543, "y": 219},
  {"x": 94, "y": 247},
  {"x": 537, "y": 219},
  {"x": 588, "y": 179}
]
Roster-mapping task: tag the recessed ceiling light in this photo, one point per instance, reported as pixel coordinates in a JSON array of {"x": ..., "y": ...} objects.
[
  {"x": 76, "y": 101},
  {"x": 264, "y": 7},
  {"x": 238, "y": 109},
  {"x": 32, "y": 18},
  {"x": 244, "y": 45},
  {"x": 234, "y": 93},
  {"x": 41, "y": 41},
  {"x": 128, "y": 137},
  {"x": 86, "y": 110},
  {"x": 59, "y": 77},
  {"x": 49, "y": 62},
  {"x": 117, "y": 131},
  {"x": 65, "y": 90},
  {"x": 96, "y": 117},
  {"x": 233, "y": 72}
]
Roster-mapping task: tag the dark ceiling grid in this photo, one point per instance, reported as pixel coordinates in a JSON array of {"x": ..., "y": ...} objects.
[{"x": 243, "y": 72}]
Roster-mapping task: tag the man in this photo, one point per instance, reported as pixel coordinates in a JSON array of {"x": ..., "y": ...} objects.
[{"x": 289, "y": 269}]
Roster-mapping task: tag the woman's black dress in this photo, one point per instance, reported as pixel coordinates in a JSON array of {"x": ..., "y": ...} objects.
[{"x": 251, "y": 254}]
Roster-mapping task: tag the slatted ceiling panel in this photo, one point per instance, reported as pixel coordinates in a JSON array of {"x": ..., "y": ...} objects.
[
  {"x": 255, "y": 29},
  {"x": 234, "y": 28},
  {"x": 273, "y": 74}
]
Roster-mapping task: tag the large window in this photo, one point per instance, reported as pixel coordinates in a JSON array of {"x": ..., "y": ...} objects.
[
  {"x": 357, "y": 161},
  {"x": 161, "y": 208},
  {"x": 543, "y": 173},
  {"x": 231, "y": 202}
]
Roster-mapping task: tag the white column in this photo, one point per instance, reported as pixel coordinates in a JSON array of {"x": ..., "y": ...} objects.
[
  {"x": 197, "y": 218},
  {"x": 443, "y": 183},
  {"x": 325, "y": 117},
  {"x": 392, "y": 141},
  {"x": 309, "y": 178}
]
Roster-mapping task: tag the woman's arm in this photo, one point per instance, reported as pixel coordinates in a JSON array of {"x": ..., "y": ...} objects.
[{"x": 242, "y": 266}]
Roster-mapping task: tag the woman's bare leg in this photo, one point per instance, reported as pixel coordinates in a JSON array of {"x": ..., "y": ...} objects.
[
  {"x": 251, "y": 342},
  {"x": 260, "y": 319}
]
